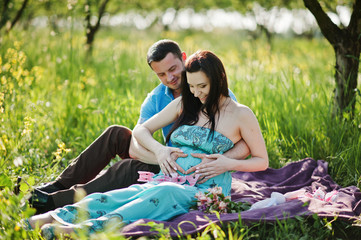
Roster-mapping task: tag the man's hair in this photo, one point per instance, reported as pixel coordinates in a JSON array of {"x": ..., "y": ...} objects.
[
  {"x": 160, "y": 49},
  {"x": 208, "y": 63}
]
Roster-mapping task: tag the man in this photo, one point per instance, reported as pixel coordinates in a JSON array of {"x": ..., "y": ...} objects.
[{"x": 167, "y": 61}]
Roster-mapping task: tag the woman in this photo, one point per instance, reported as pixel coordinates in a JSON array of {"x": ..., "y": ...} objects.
[{"x": 207, "y": 121}]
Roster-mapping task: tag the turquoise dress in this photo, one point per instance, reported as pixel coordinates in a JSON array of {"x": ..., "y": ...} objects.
[{"x": 152, "y": 200}]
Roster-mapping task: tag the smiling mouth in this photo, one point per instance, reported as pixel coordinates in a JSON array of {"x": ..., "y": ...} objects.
[{"x": 173, "y": 82}]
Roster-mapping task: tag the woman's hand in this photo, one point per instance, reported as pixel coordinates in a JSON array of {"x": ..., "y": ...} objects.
[
  {"x": 211, "y": 166},
  {"x": 167, "y": 157}
]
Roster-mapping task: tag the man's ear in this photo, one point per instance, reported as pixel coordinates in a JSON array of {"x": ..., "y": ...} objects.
[{"x": 184, "y": 56}]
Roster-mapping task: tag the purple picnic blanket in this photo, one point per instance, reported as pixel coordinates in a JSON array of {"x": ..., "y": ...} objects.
[{"x": 253, "y": 187}]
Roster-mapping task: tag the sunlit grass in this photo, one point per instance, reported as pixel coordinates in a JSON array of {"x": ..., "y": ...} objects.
[{"x": 54, "y": 103}]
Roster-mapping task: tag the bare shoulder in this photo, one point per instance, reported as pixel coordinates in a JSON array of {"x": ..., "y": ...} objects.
[
  {"x": 177, "y": 104},
  {"x": 178, "y": 99},
  {"x": 174, "y": 107},
  {"x": 241, "y": 111}
]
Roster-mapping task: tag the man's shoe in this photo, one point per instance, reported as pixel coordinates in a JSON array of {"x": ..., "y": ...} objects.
[
  {"x": 17, "y": 186},
  {"x": 41, "y": 201},
  {"x": 38, "y": 198},
  {"x": 51, "y": 187}
]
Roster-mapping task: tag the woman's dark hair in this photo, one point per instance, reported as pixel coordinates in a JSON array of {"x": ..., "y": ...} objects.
[
  {"x": 160, "y": 49},
  {"x": 212, "y": 67}
]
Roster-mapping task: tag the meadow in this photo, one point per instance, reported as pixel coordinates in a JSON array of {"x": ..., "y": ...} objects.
[{"x": 54, "y": 101}]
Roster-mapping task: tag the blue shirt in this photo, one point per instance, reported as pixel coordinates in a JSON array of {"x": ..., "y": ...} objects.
[{"x": 158, "y": 99}]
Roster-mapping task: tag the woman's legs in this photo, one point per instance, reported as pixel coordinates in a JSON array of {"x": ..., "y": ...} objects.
[
  {"x": 50, "y": 227},
  {"x": 94, "y": 205},
  {"x": 121, "y": 175},
  {"x": 159, "y": 202},
  {"x": 40, "y": 220},
  {"x": 50, "y": 231}
]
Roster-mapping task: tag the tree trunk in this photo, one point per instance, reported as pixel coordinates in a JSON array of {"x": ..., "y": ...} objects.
[
  {"x": 18, "y": 15},
  {"x": 5, "y": 19},
  {"x": 92, "y": 30},
  {"x": 269, "y": 35},
  {"x": 90, "y": 34},
  {"x": 4, "y": 13},
  {"x": 347, "y": 46},
  {"x": 347, "y": 64}
]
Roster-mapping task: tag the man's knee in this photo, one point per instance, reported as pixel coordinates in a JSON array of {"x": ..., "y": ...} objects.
[
  {"x": 121, "y": 137},
  {"x": 118, "y": 130}
]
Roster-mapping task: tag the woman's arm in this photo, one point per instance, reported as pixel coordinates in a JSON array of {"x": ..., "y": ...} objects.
[
  {"x": 252, "y": 135},
  {"x": 137, "y": 151},
  {"x": 144, "y": 135}
]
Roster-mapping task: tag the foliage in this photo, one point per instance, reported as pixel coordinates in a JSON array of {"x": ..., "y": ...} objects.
[
  {"x": 12, "y": 211},
  {"x": 313, "y": 227}
]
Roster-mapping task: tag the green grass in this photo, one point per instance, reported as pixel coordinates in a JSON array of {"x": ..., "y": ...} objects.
[{"x": 55, "y": 103}]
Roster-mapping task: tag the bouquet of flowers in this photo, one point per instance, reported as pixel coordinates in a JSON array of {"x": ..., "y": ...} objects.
[{"x": 214, "y": 200}]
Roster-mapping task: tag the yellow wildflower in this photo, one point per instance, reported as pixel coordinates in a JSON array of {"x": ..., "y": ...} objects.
[
  {"x": 3, "y": 80},
  {"x": 17, "y": 45},
  {"x": 28, "y": 124},
  {"x": 6, "y": 67},
  {"x": 60, "y": 151}
]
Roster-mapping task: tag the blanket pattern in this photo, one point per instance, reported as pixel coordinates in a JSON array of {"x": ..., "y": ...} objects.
[{"x": 305, "y": 174}]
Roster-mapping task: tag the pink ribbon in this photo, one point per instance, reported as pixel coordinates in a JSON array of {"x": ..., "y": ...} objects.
[{"x": 145, "y": 176}]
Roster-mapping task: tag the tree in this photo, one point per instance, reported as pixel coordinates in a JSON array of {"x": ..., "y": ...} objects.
[
  {"x": 91, "y": 30},
  {"x": 11, "y": 12},
  {"x": 346, "y": 43},
  {"x": 345, "y": 40},
  {"x": 97, "y": 9}
]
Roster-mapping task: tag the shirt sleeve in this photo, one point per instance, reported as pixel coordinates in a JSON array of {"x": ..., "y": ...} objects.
[
  {"x": 232, "y": 95},
  {"x": 148, "y": 109}
]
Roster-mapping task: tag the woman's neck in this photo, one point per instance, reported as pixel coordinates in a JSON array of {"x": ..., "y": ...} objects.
[
  {"x": 223, "y": 101},
  {"x": 222, "y": 105}
]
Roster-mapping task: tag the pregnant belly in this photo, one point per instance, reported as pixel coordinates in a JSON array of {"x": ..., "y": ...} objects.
[{"x": 189, "y": 161}]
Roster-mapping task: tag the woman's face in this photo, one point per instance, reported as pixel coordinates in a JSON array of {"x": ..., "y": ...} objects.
[{"x": 199, "y": 85}]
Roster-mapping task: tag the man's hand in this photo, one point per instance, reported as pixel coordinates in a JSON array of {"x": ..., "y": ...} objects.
[
  {"x": 167, "y": 160},
  {"x": 239, "y": 151},
  {"x": 211, "y": 166}
]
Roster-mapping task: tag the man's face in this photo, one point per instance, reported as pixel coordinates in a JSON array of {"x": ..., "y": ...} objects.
[{"x": 169, "y": 71}]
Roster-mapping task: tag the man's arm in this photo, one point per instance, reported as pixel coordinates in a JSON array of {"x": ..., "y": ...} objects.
[{"x": 239, "y": 151}]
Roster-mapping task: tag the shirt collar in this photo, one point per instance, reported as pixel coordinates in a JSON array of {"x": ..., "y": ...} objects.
[{"x": 169, "y": 92}]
